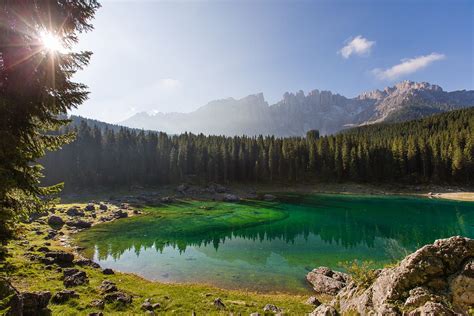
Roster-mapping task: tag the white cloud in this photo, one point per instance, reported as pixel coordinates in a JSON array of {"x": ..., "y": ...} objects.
[
  {"x": 169, "y": 84},
  {"x": 357, "y": 46},
  {"x": 407, "y": 66}
]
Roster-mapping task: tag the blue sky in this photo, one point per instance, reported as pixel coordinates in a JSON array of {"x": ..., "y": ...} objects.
[{"x": 178, "y": 55}]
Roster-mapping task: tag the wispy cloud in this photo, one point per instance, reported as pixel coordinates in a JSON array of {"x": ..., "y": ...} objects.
[
  {"x": 357, "y": 46},
  {"x": 169, "y": 83},
  {"x": 407, "y": 66}
]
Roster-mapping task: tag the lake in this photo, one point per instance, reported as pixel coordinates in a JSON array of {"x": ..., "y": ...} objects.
[{"x": 270, "y": 246}]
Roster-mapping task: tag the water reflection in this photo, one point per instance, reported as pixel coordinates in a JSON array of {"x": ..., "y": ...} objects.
[
  {"x": 313, "y": 230},
  {"x": 341, "y": 221}
]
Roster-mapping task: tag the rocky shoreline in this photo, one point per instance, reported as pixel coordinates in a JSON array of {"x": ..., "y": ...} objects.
[{"x": 437, "y": 279}]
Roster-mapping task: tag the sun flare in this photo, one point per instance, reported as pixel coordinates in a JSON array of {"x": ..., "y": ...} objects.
[{"x": 51, "y": 42}]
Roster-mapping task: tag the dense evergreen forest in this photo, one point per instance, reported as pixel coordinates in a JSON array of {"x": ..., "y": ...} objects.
[{"x": 437, "y": 149}]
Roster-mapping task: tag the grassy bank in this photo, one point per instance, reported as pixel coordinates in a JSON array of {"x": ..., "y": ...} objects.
[{"x": 32, "y": 275}]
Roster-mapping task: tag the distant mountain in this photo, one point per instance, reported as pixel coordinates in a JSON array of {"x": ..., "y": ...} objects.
[{"x": 297, "y": 113}]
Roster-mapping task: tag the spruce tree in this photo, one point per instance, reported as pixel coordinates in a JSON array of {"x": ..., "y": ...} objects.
[{"x": 36, "y": 90}]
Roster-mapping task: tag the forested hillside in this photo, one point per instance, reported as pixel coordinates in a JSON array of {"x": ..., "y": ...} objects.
[{"x": 437, "y": 149}]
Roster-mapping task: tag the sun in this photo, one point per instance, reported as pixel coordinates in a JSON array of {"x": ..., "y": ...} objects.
[{"x": 51, "y": 42}]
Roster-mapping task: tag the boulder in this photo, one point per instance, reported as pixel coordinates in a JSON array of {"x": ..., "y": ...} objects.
[
  {"x": 103, "y": 207},
  {"x": 97, "y": 304},
  {"x": 55, "y": 221},
  {"x": 89, "y": 207},
  {"x": 269, "y": 197},
  {"x": 120, "y": 214},
  {"x": 119, "y": 297},
  {"x": 312, "y": 300},
  {"x": 462, "y": 287},
  {"x": 63, "y": 296},
  {"x": 431, "y": 308},
  {"x": 231, "y": 198},
  {"x": 74, "y": 277},
  {"x": 327, "y": 281},
  {"x": 324, "y": 310},
  {"x": 108, "y": 271},
  {"x": 10, "y": 298},
  {"x": 436, "y": 279},
  {"x": 87, "y": 263},
  {"x": 59, "y": 257},
  {"x": 79, "y": 224},
  {"x": 35, "y": 303},
  {"x": 147, "y": 306},
  {"x": 108, "y": 287},
  {"x": 166, "y": 199},
  {"x": 219, "y": 304},
  {"x": 73, "y": 211},
  {"x": 271, "y": 308},
  {"x": 182, "y": 188}
]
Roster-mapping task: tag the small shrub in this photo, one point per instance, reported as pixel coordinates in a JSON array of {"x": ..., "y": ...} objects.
[{"x": 362, "y": 273}]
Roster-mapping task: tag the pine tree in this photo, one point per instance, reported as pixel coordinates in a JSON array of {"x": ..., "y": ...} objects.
[{"x": 35, "y": 90}]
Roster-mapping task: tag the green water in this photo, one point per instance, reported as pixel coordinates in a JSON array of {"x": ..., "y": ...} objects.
[{"x": 270, "y": 246}]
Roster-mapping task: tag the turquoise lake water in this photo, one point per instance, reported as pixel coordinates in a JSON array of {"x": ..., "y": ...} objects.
[{"x": 274, "y": 256}]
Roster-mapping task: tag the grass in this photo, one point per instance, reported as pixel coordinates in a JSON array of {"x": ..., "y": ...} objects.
[{"x": 177, "y": 299}]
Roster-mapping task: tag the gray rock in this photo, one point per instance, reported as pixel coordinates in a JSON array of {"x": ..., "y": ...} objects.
[
  {"x": 10, "y": 298},
  {"x": 416, "y": 284},
  {"x": 35, "y": 303},
  {"x": 97, "y": 304},
  {"x": 462, "y": 287},
  {"x": 324, "y": 310},
  {"x": 231, "y": 198},
  {"x": 89, "y": 207},
  {"x": 55, "y": 221},
  {"x": 103, "y": 207},
  {"x": 312, "y": 300},
  {"x": 108, "y": 271},
  {"x": 63, "y": 296},
  {"x": 269, "y": 197},
  {"x": 87, "y": 263},
  {"x": 108, "y": 287},
  {"x": 79, "y": 224},
  {"x": 432, "y": 309},
  {"x": 74, "y": 212},
  {"x": 219, "y": 304},
  {"x": 74, "y": 277},
  {"x": 60, "y": 257},
  {"x": 271, "y": 308},
  {"x": 119, "y": 297},
  {"x": 120, "y": 214},
  {"x": 326, "y": 281}
]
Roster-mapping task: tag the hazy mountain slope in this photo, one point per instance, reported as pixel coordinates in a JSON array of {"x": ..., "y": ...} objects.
[{"x": 297, "y": 113}]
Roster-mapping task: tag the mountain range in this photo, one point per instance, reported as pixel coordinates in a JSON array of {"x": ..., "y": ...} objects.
[{"x": 297, "y": 113}]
